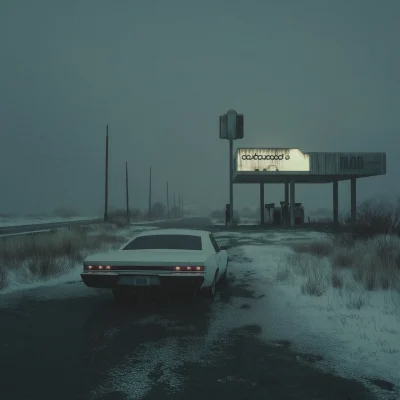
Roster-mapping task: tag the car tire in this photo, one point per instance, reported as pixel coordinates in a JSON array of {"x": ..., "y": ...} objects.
[
  {"x": 224, "y": 277},
  {"x": 209, "y": 293}
]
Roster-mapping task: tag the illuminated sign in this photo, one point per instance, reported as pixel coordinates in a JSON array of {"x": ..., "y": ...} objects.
[
  {"x": 256, "y": 156},
  {"x": 286, "y": 160}
]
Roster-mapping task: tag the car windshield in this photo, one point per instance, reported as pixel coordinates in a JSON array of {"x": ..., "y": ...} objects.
[{"x": 174, "y": 242}]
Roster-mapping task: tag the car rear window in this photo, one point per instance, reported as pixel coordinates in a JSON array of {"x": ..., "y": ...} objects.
[{"x": 174, "y": 242}]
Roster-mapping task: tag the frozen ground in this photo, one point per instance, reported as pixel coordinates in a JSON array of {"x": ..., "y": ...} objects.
[
  {"x": 5, "y": 222},
  {"x": 243, "y": 221},
  {"x": 153, "y": 222},
  {"x": 354, "y": 343}
]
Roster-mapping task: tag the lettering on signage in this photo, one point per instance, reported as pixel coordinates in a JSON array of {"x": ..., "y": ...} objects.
[
  {"x": 351, "y": 162},
  {"x": 256, "y": 156}
]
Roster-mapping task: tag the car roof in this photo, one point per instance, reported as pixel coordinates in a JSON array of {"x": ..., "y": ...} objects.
[{"x": 194, "y": 232}]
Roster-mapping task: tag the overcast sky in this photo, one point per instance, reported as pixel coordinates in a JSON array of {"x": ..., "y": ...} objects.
[{"x": 314, "y": 74}]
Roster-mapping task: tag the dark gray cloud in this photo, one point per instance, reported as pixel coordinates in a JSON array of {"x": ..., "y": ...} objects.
[{"x": 318, "y": 75}]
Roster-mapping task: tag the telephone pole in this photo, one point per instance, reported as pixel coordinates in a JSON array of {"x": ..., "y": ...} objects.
[
  {"x": 175, "y": 206},
  {"x": 150, "y": 195},
  {"x": 106, "y": 183},
  {"x": 182, "y": 206},
  {"x": 168, "y": 202},
  {"x": 127, "y": 193}
]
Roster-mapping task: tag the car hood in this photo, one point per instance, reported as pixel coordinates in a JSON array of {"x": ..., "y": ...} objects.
[{"x": 148, "y": 257}]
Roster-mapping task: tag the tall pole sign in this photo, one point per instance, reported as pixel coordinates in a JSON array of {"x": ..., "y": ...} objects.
[{"x": 231, "y": 128}]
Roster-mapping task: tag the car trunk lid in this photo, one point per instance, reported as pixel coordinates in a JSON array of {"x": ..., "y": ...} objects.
[{"x": 148, "y": 258}]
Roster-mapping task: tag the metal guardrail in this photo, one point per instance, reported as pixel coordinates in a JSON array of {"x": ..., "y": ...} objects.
[{"x": 45, "y": 227}]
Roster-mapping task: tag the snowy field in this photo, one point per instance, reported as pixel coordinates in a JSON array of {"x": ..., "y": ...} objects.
[
  {"x": 243, "y": 221},
  {"x": 350, "y": 331},
  {"x": 5, "y": 222},
  {"x": 355, "y": 331},
  {"x": 154, "y": 221},
  {"x": 20, "y": 221}
]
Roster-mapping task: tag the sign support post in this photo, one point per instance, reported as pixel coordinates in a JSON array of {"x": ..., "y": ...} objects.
[
  {"x": 231, "y": 128},
  {"x": 231, "y": 180}
]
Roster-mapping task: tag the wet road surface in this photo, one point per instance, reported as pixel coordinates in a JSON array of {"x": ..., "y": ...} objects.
[{"x": 72, "y": 342}]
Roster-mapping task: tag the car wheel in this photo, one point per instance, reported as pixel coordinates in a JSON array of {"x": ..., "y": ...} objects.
[
  {"x": 224, "y": 277},
  {"x": 212, "y": 289}
]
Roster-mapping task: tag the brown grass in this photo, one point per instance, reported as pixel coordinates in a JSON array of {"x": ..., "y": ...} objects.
[
  {"x": 337, "y": 279},
  {"x": 343, "y": 258},
  {"x": 312, "y": 287},
  {"x": 374, "y": 263},
  {"x": 316, "y": 248},
  {"x": 3, "y": 277},
  {"x": 50, "y": 254}
]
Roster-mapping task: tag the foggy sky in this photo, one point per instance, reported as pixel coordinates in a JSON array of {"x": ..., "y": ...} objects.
[{"x": 314, "y": 74}]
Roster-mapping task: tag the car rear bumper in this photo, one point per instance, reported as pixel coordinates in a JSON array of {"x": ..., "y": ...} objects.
[{"x": 170, "y": 282}]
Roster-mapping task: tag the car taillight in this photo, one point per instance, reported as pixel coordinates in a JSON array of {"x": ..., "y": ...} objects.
[
  {"x": 96, "y": 267},
  {"x": 189, "y": 268}
]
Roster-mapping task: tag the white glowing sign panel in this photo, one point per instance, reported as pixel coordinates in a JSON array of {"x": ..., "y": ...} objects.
[{"x": 270, "y": 160}]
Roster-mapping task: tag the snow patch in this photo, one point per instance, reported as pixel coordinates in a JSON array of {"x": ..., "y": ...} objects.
[{"x": 354, "y": 343}]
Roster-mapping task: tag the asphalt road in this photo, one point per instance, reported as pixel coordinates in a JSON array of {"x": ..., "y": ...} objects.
[{"x": 71, "y": 342}]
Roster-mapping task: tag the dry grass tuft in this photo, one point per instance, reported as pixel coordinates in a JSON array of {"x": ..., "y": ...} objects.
[
  {"x": 313, "y": 287},
  {"x": 356, "y": 302},
  {"x": 367, "y": 257},
  {"x": 3, "y": 277},
  {"x": 312, "y": 269},
  {"x": 337, "y": 279},
  {"x": 374, "y": 263},
  {"x": 51, "y": 254},
  {"x": 283, "y": 272},
  {"x": 343, "y": 258},
  {"x": 316, "y": 248}
]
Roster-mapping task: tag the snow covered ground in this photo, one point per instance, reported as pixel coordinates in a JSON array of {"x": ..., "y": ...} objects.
[
  {"x": 154, "y": 221},
  {"x": 351, "y": 332},
  {"x": 243, "y": 221},
  {"x": 4, "y": 222},
  {"x": 356, "y": 339}
]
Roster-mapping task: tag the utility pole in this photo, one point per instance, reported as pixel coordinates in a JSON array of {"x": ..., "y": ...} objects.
[
  {"x": 106, "y": 183},
  {"x": 168, "y": 202},
  {"x": 182, "y": 206},
  {"x": 150, "y": 195},
  {"x": 127, "y": 194},
  {"x": 175, "y": 215},
  {"x": 179, "y": 205}
]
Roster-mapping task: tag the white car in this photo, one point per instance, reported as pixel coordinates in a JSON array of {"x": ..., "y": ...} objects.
[{"x": 166, "y": 258}]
